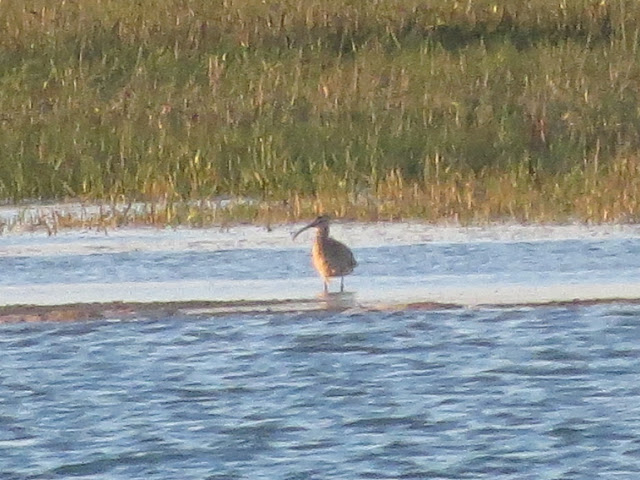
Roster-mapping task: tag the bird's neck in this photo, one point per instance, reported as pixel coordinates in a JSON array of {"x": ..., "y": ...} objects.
[{"x": 323, "y": 232}]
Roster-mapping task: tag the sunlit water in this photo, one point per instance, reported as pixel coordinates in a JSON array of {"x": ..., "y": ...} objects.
[
  {"x": 513, "y": 393},
  {"x": 547, "y": 392}
]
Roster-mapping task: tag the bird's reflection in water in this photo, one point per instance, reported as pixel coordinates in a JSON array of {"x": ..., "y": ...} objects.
[{"x": 338, "y": 300}]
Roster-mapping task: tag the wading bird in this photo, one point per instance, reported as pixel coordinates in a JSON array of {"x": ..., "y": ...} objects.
[{"x": 331, "y": 258}]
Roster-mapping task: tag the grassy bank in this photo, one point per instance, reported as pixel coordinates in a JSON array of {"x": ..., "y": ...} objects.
[{"x": 467, "y": 110}]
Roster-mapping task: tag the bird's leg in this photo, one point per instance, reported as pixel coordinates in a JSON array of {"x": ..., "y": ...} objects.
[
  {"x": 341, "y": 284},
  {"x": 326, "y": 287}
]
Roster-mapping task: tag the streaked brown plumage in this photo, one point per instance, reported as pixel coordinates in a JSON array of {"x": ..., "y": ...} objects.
[{"x": 331, "y": 258}]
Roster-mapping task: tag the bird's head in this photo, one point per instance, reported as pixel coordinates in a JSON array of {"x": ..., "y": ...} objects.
[{"x": 321, "y": 222}]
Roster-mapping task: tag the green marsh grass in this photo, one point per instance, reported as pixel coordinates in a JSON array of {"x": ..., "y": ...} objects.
[{"x": 470, "y": 110}]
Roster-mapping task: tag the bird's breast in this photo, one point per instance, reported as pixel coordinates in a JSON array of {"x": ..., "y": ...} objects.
[{"x": 332, "y": 258}]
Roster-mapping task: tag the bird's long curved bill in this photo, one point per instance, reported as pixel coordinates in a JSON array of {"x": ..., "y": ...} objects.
[{"x": 307, "y": 227}]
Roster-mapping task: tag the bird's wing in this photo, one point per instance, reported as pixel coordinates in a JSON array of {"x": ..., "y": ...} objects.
[{"x": 341, "y": 259}]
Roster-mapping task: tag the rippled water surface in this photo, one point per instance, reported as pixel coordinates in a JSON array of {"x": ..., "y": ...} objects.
[{"x": 548, "y": 392}]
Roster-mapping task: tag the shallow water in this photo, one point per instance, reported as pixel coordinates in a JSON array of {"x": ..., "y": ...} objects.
[
  {"x": 396, "y": 264},
  {"x": 543, "y": 392}
]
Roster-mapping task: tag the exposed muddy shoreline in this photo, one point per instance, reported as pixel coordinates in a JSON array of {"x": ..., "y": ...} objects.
[{"x": 116, "y": 311}]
